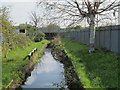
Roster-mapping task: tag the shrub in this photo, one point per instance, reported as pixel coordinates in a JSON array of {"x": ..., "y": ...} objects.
[
  {"x": 38, "y": 36},
  {"x": 13, "y": 41}
]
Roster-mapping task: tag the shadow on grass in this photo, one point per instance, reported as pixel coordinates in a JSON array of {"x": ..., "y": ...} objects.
[
  {"x": 26, "y": 57},
  {"x": 9, "y": 60}
]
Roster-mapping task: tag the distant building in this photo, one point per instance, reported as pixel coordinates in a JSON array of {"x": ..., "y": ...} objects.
[{"x": 21, "y": 31}]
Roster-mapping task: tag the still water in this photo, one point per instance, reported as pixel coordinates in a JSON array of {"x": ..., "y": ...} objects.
[{"x": 45, "y": 73}]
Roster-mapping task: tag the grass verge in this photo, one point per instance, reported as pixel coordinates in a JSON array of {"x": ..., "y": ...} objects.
[
  {"x": 14, "y": 63},
  {"x": 96, "y": 70}
]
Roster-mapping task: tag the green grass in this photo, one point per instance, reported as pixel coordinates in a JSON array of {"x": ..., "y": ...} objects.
[
  {"x": 96, "y": 70},
  {"x": 14, "y": 63}
]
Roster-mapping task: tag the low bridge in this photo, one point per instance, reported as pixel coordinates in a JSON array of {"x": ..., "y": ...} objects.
[{"x": 50, "y": 34}]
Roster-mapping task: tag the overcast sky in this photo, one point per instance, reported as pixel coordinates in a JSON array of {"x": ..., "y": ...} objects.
[{"x": 19, "y": 9}]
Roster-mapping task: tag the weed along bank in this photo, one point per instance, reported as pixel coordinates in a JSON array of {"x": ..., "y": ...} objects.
[
  {"x": 52, "y": 72},
  {"x": 48, "y": 73},
  {"x": 20, "y": 62},
  {"x": 72, "y": 79},
  {"x": 95, "y": 70}
]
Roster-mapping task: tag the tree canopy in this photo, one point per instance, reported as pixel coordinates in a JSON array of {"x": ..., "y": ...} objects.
[
  {"x": 11, "y": 40},
  {"x": 72, "y": 12}
]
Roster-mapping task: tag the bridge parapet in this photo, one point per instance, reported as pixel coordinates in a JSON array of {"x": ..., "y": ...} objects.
[{"x": 52, "y": 31}]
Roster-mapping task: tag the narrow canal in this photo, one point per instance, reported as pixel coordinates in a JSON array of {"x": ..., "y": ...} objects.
[{"x": 45, "y": 73}]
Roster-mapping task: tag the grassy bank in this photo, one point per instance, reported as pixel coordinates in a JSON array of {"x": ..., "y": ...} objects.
[
  {"x": 15, "y": 63},
  {"x": 96, "y": 70}
]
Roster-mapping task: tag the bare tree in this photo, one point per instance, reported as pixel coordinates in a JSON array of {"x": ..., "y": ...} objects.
[
  {"x": 35, "y": 19},
  {"x": 77, "y": 10}
]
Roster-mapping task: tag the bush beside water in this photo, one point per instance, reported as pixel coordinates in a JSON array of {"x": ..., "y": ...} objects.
[{"x": 13, "y": 64}]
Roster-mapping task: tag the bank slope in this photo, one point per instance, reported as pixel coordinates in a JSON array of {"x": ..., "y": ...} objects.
[
  {"x": 13, "y": 65},
  {"x": 96, "y": 70}
]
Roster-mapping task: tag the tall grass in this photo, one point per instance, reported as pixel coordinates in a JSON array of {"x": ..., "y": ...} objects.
[{"x": 95, "y": 70}]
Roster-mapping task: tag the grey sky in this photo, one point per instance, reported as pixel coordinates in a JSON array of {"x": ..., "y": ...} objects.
[{"x": 19, "y": 9}]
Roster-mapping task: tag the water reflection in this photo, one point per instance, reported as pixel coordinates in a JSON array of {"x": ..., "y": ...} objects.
[{"x": 45, "y": 73}]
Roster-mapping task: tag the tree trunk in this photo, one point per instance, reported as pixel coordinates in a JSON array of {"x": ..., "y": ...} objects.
[{"x": 92, "y": 34}]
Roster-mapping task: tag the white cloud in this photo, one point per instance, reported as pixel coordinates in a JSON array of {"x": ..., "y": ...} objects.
[
  {"x": 46, "y": 84},
  {"x": 30, "y": 80}
]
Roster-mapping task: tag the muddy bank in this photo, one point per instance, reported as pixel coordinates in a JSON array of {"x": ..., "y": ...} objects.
[
  {"x": 71, "y": 76},
  {"x": 26, "y": 72},
  {"x": 49, "y": 73},
  {"x": 72, "y": 79}
]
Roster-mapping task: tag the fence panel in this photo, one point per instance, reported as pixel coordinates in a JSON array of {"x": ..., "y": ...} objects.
[
  {"x": 85, "y": 38},
  {"x": 82, "y": 37},
  {"x": 114, "y": 41},
  {"x": 76, "y": 36},
  {"x": 101, "y": 38},
  {"x": 106, "y": 37},
  {"x": 97, "y": 40},
  {"x": 79, "y": 36},
  {"x": 119, "y": 41},
  {"x": 88, "y": 34}
]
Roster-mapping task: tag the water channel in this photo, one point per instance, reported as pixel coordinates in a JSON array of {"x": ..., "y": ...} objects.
[{"x": 45, "y": 73}]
